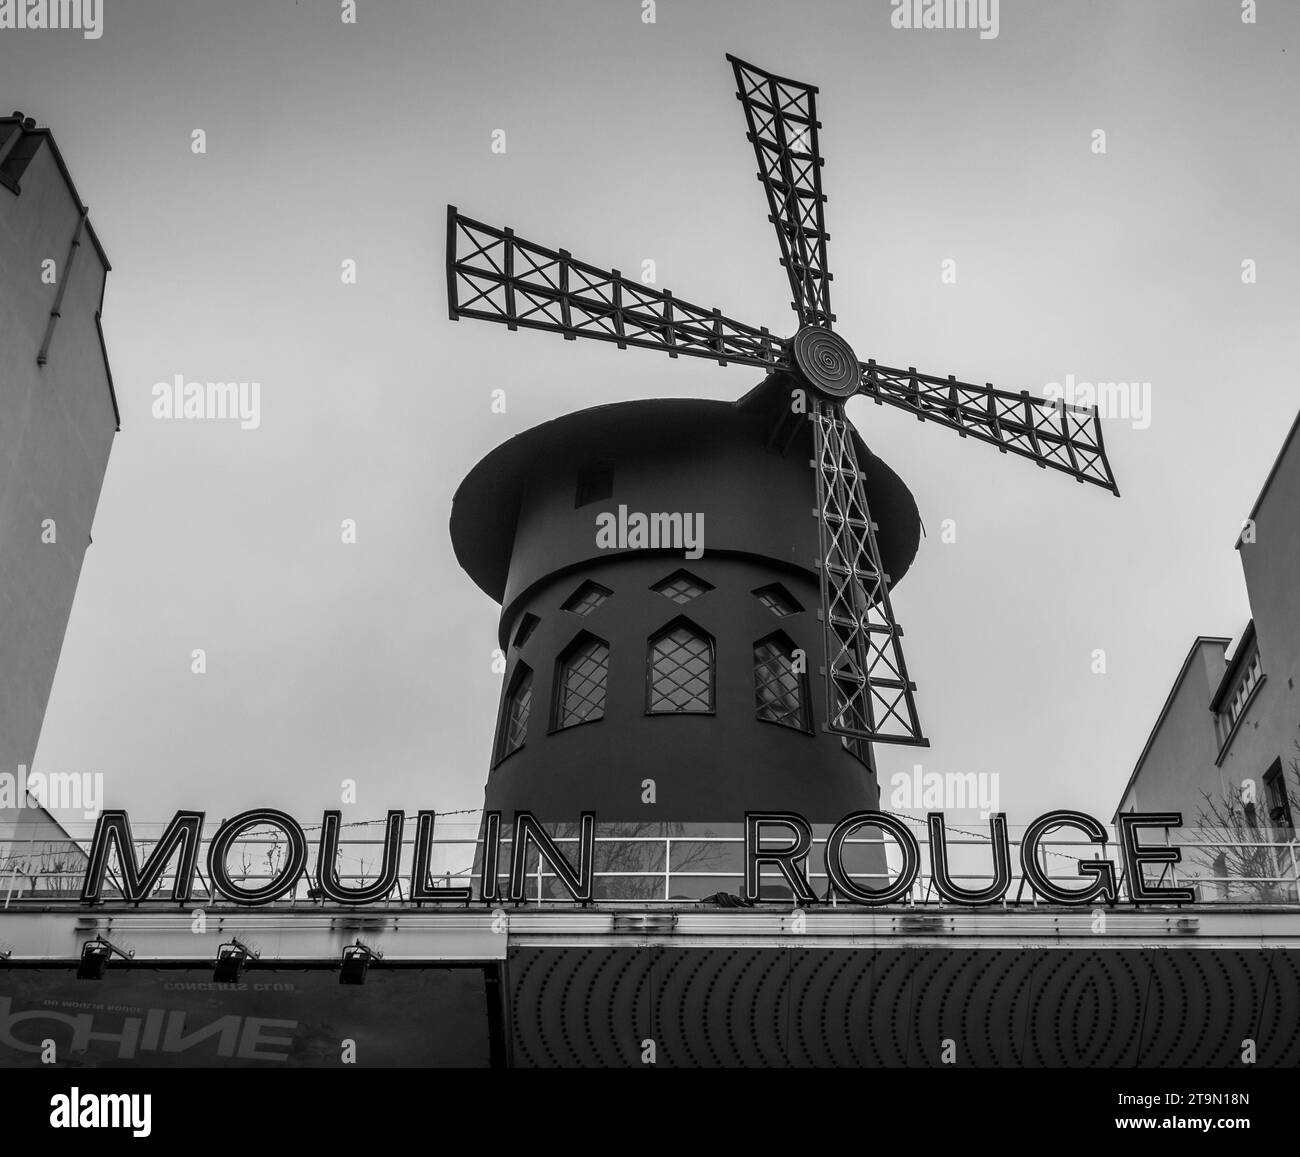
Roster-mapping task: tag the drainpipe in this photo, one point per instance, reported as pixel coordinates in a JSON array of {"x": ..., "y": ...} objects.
[{"x": 64, "y": 277}]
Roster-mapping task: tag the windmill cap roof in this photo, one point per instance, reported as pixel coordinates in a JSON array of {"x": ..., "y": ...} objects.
[{"x": 486, "y": 504}]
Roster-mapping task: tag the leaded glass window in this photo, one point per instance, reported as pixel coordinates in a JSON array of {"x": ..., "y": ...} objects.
[
  {"x": 682, "y": 587},
  {"x": 778, "y": 688},
  {"x": 586, "y": 598},
  {"x": 514, "y": 712},
  {"x": 855, "y": 716},
  {"x": 580, "y": 686},
  {"x": 778, "y": 600},
  {"x": 681, "y": 670}
]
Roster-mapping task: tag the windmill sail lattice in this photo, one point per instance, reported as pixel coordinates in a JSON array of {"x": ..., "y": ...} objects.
[
  {"x": 493, "y": 275},
  {"x": 872, "y": 696},
  {"x": 782, "y": 119},
  {"x": 1055, "y": 434}
]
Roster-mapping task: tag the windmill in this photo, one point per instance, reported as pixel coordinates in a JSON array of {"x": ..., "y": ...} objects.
[{"x": 494, "y": 275}]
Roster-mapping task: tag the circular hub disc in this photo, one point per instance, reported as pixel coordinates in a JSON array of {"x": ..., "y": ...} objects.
[{"x": 827, "y": 361}]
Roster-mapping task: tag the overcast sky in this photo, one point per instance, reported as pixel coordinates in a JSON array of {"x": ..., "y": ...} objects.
[{"x": 624, "y": 142}]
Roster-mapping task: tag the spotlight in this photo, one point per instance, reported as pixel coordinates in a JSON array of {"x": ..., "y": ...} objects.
[
  {"x": 94, "y": 960},
  {"x": 231, "y": 958},
  {"x": 356, "y": 959},
  {"x": 95, "y": 955}
]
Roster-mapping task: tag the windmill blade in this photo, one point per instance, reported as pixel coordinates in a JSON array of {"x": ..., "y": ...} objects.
[
  {"x": 782, "y": 119},
  {"x": 493, "y": 275},
  {"x": 868, "y": 694},
  {"x": 1055, "y": 434}
]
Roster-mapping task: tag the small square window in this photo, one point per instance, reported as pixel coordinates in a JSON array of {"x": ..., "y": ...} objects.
[
  {"x": 778, "y": 600},
  {"x": 682, "y": 587},
  {"x": 595, "y": 483},
  {"x": 524, "y": 632},
  {"x": 1275, "y": 795},
  {"x": 586, "y": 598}
]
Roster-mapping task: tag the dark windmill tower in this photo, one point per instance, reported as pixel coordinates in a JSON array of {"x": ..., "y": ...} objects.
[{"x": 694, "y": 627}]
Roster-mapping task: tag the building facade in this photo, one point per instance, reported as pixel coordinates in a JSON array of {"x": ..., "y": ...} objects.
[
  {"x": 58, "y": 415},
  {"x": 1225, "y": 749}
]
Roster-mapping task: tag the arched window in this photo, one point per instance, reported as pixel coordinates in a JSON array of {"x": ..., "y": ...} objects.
[
  {"x": 679, "y": 677},
  {"x": 580, "y": 678},
  {"x": 855, "y": 715},
  {"x": 514, "y": 712},
  {"x": 780, "y": 692}
]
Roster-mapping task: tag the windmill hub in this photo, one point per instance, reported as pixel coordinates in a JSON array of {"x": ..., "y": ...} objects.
[{"x": 826, "y": 361}]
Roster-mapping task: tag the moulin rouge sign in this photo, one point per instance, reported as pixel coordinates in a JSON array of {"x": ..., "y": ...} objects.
[{"x": 780, "y": 840}]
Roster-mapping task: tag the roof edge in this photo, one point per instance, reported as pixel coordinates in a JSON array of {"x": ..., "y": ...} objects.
[
  {"x": 1230, "y": 672},
  {"x": 67, "y": 176},
  {"x": 1268, "y": 482},
  {"x": 1200, "y": 641},
  {"x": 14, "y": 186}
]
